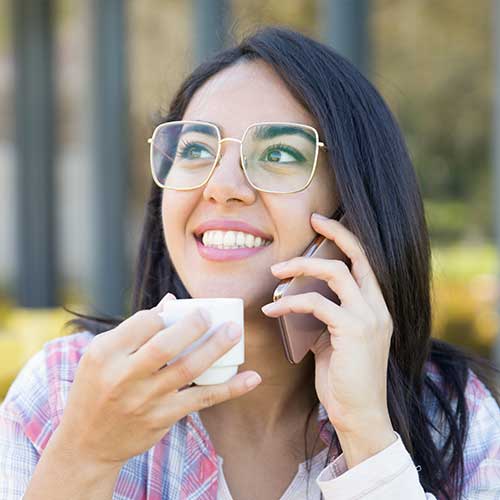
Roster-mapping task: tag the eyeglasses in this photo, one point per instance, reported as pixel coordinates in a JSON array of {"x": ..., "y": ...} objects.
[{"x": 276, "y": 157}]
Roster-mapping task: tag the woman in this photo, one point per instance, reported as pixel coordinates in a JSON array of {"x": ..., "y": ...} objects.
[{"x": 398, "y": 414}]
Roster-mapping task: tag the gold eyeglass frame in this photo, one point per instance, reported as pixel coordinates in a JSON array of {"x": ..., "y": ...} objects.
[{"x": 319, "y": 145}]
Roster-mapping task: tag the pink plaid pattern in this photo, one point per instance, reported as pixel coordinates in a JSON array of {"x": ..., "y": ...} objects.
[{"x": 183, "y": 464}]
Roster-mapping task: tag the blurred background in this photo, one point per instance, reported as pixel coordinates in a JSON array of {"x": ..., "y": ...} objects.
[{"x": 82, "y": 80}]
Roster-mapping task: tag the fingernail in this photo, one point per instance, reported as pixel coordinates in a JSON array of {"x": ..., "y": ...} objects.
[
  {"x": 278, "y": 267},
  {"x": 319, "y": 216},
  {"x": 268, "y": 307},
  {"x": 252, "y": 380}
]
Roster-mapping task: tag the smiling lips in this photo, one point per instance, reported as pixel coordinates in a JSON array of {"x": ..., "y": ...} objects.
[
  {"x": 225, "y": 239},
  {"x": 232, "y": 239}
]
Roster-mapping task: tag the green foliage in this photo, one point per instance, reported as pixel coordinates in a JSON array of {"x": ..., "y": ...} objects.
[
  {"x": 465, "y": 296},
  {"x": 446, "y": 220},
  {"x": 433, "y": 64}
]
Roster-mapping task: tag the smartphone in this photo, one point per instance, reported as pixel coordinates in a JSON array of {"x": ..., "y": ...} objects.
[{"x": 300, "y": 331}]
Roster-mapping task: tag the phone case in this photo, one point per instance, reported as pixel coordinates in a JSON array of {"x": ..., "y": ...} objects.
[{"x": 300, "y": 331}]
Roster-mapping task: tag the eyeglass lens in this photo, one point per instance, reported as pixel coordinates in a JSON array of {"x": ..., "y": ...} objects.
[{"x": 276, "y": 157}]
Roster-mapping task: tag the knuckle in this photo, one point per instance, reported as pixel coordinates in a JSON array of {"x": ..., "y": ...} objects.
[
  {"x": 221, "y": 340},
  {"x": 185, "y": 370},
  {"x": 339, "y": 267},
  {"x": 316, "y": 298},
  {"x": 199, "y": 321},
  {"x": 149, "y": 318},
  {"x": 158, "y": 353},
  {"x": 361, "y": 248},
  {"x": 133, "y": 408},
  {"x": 208, "y": 398},
  {"x": 336, "y": 272},
  {"x": 141, "y": 316},
  {"x": 230, "y": 391},
  {"x": 112, "y": 389},
  {"x": 95, "y": 354},
  {"x": 340, "y": 264}
]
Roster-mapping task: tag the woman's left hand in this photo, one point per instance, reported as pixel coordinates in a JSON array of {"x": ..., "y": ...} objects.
[{"x": 352, "y": 353}]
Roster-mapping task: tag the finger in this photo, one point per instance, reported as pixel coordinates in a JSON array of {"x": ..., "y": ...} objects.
[
  {"x": 169, "y": 342},
  {"x": 334, "y": 272},
  {"x": 313, "y": 303},
  {"x": 130, "y": 334},
  {"x": 185, "y": 369},
  {"x": 198, "y": 397},
  {"x": 167, "y": 297},
  {"x": 352, "y": 247},
  {"x": 141, "y": 326}
]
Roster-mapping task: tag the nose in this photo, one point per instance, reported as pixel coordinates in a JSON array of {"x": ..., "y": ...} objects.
[{"x": 228, "y": 181}]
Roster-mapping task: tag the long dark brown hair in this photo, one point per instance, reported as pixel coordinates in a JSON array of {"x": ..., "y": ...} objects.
[{"x": 379, "y": 191}]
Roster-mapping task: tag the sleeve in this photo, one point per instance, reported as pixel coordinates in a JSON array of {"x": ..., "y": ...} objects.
[
  {"x": 23, "y": 413},
  {"x": 391, "y": 473}
]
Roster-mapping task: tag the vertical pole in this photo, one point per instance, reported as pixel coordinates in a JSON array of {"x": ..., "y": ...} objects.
[
  {"x": 211, "y": 25},
  {"x": 35, "y": 158},
  {"x": 110, "y": 141},
  {"x": 496, "y": 145},
  {"x": 345, "y": 28}
]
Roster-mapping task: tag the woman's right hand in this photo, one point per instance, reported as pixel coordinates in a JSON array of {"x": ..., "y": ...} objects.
[{"x": 122, "y": 402}]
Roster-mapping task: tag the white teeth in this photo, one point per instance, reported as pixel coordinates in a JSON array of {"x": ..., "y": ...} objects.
[
  {"x": 240, "y": 239},
  {"x": 229, "y": 239},
  {"x": 249, "y": 240},
  {"x": 217, "y": 238},
  {"x": 232, "y": 239}
]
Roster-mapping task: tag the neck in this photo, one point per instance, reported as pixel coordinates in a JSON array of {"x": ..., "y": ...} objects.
[{"x": 286, "y": 394}]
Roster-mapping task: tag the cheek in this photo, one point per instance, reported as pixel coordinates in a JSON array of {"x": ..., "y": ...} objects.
[
  {"x": 292, "y": 223},
  {"x": 175, "y": 210},
  {"x": 324, "y": 190}
]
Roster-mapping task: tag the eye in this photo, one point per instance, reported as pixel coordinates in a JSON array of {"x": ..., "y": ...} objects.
[
  {"x": 194, "y": 151},
  {"x": 281, "y": 153}
]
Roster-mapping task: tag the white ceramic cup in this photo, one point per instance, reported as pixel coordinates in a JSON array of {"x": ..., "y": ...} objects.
[{"x": 221, "y": 310}]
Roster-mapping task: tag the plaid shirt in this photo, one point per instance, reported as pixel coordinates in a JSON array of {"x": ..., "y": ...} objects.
[{"x": 183, "y": 464}]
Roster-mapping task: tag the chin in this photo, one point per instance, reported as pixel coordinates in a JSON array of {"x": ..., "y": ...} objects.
[{"x": 253, "y": 296}]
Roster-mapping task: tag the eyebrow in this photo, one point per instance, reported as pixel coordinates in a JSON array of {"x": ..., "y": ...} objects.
[
  {"x": 271, "y": 131},
  {"x": 261, "y": 131},
  {"x": 201, "y": 128}
]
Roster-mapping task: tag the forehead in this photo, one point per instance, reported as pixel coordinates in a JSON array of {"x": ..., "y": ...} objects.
[{"x": 245, "y": 93}]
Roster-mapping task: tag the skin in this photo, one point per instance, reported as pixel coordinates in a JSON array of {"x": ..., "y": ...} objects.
[
  {"x": 349, "y": 360},
  {"x": 234, "y": 98},
  {"x": 122, "y": 384}
]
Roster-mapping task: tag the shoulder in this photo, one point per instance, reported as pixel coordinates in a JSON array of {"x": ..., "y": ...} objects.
[
  {"x": 483, "y": 422},
  {"x": 57, "y": 359},
  {"x": 36, "y": 398},
  {"x": 62, "y": 355},
  {"x": 476, "y": 393}
]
